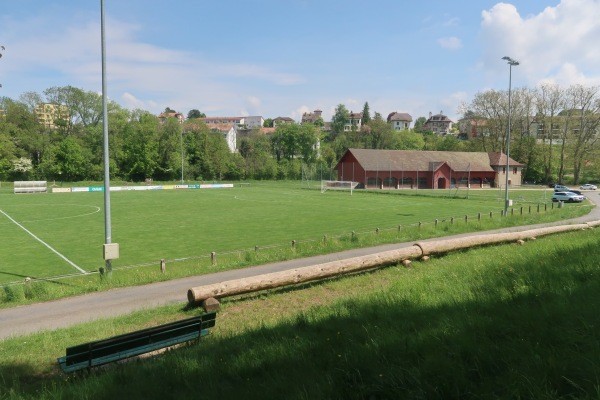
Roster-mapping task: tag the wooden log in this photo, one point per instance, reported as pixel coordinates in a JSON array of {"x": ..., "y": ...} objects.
[
  {"x": 299, "y": 275},
  {"x": 444, "y": 246}
]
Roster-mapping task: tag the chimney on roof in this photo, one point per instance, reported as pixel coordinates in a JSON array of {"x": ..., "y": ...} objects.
[{"x": 429, "y": 114}]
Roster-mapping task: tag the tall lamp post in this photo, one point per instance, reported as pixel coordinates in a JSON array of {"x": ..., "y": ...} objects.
[
  {"x": 111, "y": 250},
  {"x": 511, "y": 63}
]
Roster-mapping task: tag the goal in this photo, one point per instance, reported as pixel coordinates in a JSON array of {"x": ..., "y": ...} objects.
[{"x": 338, "y": 185}]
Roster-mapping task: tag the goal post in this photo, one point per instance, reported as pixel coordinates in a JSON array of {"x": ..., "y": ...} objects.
[{"x": 338, "y": 185}]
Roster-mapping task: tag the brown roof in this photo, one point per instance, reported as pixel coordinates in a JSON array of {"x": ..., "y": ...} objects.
[
  {"x": 416, "y": 160},
  {"x": 396, "y": 116},
  {"x": 500, "y": 159}
]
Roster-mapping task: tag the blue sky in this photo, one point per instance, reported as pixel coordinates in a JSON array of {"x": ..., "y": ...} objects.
[{"x": 285, "y": 57}]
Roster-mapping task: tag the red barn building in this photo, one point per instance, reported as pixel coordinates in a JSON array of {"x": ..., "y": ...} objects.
[{"x": 427, "y": 169}]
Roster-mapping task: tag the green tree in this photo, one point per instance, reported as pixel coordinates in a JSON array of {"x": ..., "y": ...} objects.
[
  {"x": 268, "y": 123},
  {"x": 140, "y": 147},
  {"x": 65, "y": 161},
  {"x": 339, "y": 119},
  {"x": 366, "y": 114},
  {"x": 169, "y": 149},
  {"x": 195, "y": 114},
  {"x": 419, "y": 124},
  {"x": 408, "y": 139}
]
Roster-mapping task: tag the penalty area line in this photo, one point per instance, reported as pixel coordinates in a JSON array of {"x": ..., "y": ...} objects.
[{"x": 44, "y": 243}]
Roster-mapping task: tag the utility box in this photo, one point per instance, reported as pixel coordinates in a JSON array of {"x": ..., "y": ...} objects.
[
  {"x": 111, "y": 251},
  {"x": 508, "y": 203}
]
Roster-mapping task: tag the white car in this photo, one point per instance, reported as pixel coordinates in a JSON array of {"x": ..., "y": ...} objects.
[
  {"x": 567, "y": 197},
  {"x": 588, "y": 186}
]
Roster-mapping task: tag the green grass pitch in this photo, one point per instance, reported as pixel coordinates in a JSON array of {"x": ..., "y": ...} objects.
[{"x": 40, "y": 232}]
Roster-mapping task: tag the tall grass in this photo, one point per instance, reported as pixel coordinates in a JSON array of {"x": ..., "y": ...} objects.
[{"x": 503, "y": 322}]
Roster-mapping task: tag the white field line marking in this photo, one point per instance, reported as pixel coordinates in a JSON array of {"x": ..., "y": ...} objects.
[{"x": 44, "y": 243}]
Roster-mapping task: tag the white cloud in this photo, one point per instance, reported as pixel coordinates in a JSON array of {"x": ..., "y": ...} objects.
[
  {"x": 558, "y": 44},
  {"x": 450, "y": 43}
]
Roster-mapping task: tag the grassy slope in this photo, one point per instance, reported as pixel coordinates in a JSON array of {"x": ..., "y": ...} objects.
[{"x": 503, "y": 322}]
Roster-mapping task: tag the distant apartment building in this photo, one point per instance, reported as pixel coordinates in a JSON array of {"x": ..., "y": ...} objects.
[
  {"x": 252, "y": 122},
  {"x": 399, "y": 121},
  {"x": 48, "y": 114},
  {"x": 439, "y": 124}
]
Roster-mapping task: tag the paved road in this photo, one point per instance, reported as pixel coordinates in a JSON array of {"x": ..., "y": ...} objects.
[{"x": 62, "y": 313}]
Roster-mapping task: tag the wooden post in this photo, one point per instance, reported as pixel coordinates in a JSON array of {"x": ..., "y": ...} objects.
[
  {"x": 436, "y": 223},
  {"x": 466, "y": 218},
  {"x": 163, "y": 265},
  {"x": 478, "y": 216},
  {"x": 377, "y": 231},
  {"x": 213, "y": 258},
  {"x": 451, "y": 220},
  {"x": 293, "y": 244},
  {"x": 491, "y": 212}
]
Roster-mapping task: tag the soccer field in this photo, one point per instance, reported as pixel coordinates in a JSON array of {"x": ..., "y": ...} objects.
[{"x": 46, "y": 235}]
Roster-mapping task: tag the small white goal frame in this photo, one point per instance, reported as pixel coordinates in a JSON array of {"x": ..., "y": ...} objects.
[{"x": 338, "y": 185}]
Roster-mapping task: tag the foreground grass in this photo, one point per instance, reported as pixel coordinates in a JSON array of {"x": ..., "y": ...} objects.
[{"x": 503, "y": 322}]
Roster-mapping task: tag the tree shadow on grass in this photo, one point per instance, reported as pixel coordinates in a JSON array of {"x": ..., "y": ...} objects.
[{"x": 505, "y": 341}]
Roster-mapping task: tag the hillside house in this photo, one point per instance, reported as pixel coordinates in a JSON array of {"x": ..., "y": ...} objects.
[
  {"x": 399, "y": 121},
  {"x": 439, "y": 124}
]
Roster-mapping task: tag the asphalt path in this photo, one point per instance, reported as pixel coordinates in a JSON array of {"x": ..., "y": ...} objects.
[{"x": 28, "y": 319}]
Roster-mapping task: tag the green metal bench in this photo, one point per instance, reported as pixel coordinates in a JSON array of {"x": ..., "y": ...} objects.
[{"x": 132, "y": 344}]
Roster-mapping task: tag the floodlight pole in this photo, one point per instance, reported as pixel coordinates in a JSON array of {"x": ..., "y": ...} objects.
[
  {"x": 111, "y": 251},
  {"x": 511, "y": 63},
  {"x": 181, "y": 140}
]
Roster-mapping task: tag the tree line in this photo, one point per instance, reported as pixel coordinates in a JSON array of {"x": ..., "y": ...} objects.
[{"x": 142, "y": 146}]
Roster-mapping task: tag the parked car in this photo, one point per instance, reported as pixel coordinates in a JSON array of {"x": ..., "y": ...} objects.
[
  {"x": 561, "y": 188},
  {"x": 588, "y": 186},
  {"x": 567, "y": 197}
]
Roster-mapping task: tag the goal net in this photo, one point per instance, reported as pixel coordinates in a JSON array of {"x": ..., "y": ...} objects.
[{"x": 338, "y": 185}]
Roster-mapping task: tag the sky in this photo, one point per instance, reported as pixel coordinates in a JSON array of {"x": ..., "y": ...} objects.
[{"x": 281, "y": 58}]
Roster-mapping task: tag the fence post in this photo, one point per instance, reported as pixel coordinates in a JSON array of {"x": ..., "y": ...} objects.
[
  {"x": 163, "y": 265},
  {"x": 466, "y": 218},
  {"x": 530, "y": 209},
  {"x": 213, "y": 258},
  {"x": 538, "y": 208},
  {"x": 478, "y": 216},
  {"x": 451, "y": 220},
  {"x": 399, "y": 228},
  {"x": 436, "y": 223},
  {"x": 377, "y": 231},
  {"x": 293, "y": 244},
  {"x": 420, "y": 223},
  {"x": 491, "y": 212},
  {"x": 256, "y": 249}
]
